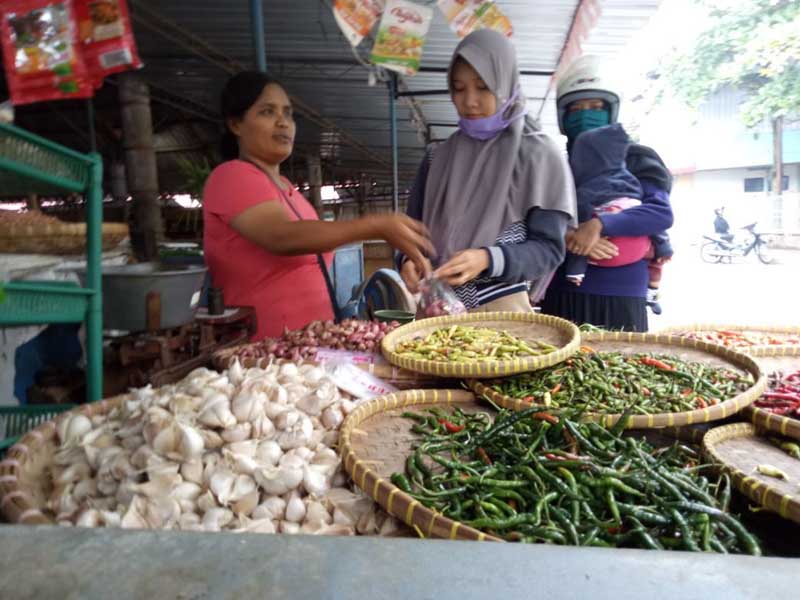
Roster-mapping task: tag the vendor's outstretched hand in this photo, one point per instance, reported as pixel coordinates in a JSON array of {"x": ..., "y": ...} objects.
[
  {"x": 582, "y": 240},
  {"x": 412, "y": 275},
  {"x": 463, "y": 267},
  {"x": 407, "y": 235}
]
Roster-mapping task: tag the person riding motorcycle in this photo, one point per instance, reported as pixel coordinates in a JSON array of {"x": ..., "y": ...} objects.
[{"x": 721, "y": 226}]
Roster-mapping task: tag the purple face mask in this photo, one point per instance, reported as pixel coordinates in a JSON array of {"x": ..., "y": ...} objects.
[{"x": 488, "y": 127}]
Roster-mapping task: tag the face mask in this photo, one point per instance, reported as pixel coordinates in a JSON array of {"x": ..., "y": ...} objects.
[
  {"x": 488, "y": 127},
  {"x": 579, "y": 121}
]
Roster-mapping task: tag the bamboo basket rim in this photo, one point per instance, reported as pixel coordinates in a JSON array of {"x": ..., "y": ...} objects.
[
  {"x": 760, "y": 351},
  {"x": 482, "y": 370},
  {"x": 786, "y": 426},
  {"x": 658, "y": 420},
  {"x": 766, "y": 495},
  {"x": 396, "y": 502},
  {"x": 16, "y": 502}
]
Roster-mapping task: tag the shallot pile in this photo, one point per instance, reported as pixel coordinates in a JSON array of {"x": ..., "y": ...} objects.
[
  {"x": 247, "y": 450},
  {"x": 302, "y": 344}
]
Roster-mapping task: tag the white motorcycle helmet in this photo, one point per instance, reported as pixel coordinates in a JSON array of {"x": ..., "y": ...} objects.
[{"x": 585, "y": 79}]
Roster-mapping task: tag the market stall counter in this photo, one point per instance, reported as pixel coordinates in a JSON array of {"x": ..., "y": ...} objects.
[{"x": 88, "y": 563}]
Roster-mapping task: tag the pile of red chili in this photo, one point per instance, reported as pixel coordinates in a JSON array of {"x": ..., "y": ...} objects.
[
  {"x": 740, "y": 339},
  {"x": 783, "y": 397}
]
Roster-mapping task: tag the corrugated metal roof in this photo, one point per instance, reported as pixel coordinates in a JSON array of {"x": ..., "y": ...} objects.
[{"x": 190, "y": 48}]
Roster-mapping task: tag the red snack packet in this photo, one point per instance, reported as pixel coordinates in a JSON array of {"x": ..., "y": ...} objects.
[
  {"x": 104, "y": 29},
  {"x": 41, "y": 54}
]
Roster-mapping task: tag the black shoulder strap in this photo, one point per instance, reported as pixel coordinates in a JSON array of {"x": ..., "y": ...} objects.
[
  {"x": 320, "y": 260},
  {"x": 646, "y": 164}
]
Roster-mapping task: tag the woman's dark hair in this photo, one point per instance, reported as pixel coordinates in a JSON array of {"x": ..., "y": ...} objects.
[{"x": 239, "y": 94}]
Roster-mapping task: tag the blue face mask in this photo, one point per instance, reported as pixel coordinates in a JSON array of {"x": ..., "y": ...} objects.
[{"x": 579, "y": 121}]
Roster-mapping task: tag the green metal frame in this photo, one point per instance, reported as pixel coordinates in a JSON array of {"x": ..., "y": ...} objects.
[{"x": 43, "y": 166}]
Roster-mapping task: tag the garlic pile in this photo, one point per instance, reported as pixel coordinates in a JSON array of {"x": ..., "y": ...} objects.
[{"x": 246, "y": 450}]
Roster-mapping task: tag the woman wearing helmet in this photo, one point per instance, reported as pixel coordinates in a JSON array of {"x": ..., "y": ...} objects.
[
  {"x": 609, "y": 297},
  {"x": 497, "y": 196}
]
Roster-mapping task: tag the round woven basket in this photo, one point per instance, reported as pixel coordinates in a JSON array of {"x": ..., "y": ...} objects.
[
  {"x": 531, "y": 327},
  {"x": 400, "y": 378},
  {"x": 374, "y": 442},
  {"x": 24, "y": 488},
  {"x": 739, "y": 450},
  {"x": 788, "y": 349},
  {"x": 56, "y": 238},
  {"x": 682, "y": 348}
]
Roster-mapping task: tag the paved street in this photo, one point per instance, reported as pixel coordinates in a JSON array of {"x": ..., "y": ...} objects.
[{"x": 746, "y": 292}]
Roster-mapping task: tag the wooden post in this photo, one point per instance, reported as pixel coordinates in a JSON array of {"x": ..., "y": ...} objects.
[
  {"x": 147, "y": 227},
  {"x": 315, "y": 182},
  {"x": 363, "y": 194},
  {"x": 777, "y": 156},
  {"x": 33, "y": 201}
]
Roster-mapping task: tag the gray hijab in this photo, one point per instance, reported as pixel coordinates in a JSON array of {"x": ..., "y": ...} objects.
[{"x": 476, "y": 189}]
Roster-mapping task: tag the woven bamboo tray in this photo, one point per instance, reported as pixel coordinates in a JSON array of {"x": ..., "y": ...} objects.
[
  {"x": 400, "y": 378},
  {"x": 764, "y": 419},
  {"x": 739, "y": 451},
  {"x": 374, "y": 442},
  {"x": 682, "y": 348},
  {"x": 55, "y": 238},
  {"x": 787, "y": 349},
  {"x": 23, "y": 487},
  {"x": 531, "y": 327}
]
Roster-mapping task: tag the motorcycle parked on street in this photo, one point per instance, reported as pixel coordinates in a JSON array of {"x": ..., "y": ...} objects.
[{"x": 716, "y": 248}]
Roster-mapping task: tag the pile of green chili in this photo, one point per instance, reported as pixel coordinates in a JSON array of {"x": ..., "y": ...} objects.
[
  {"x": 609, "y": 382},
  {"x": 535, "y": 476},
  {"x": 466, "y": 344}
]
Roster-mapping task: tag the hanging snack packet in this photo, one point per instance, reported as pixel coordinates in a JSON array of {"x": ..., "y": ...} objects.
[
  {"x": 401, "y": 36},
  {"x": 357, "y": 17},
  {"x": 104, "y": 29},
  {"x": 437, "y": 299},
  {"x": 466, "y": 16},
  {"x": 40, "y": 51}
]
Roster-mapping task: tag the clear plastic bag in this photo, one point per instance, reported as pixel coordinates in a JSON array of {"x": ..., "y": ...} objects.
[{"x": 437, "y": 299}]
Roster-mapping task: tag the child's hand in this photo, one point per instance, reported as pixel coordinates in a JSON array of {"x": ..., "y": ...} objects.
[{"x": 585, "y": 237}]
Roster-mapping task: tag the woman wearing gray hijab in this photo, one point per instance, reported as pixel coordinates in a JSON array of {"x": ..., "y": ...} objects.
[{"x": 498, "y": 195}]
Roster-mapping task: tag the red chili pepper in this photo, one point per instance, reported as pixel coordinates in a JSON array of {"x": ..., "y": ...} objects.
[
  {"x": 543, "y": 416},
  {"x": 700, "y": 402},
  {"x": 513, "y": 504},
  {"x": 528, "y": 399},
  {"x": 550, "y": 456},
  {"x": 484, "y": 457},
  {"x": 451, "y": 427},
  {"x": 653, "y": 362},
  {"x": 614, "y": 530},
  {"x": 646, "y": 391},
  {"x": 556, "y": 388},
  {"x": 587, "y": 349}
]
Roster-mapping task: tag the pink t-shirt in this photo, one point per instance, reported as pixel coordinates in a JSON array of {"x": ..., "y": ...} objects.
[{"x": 286, "y": 291}]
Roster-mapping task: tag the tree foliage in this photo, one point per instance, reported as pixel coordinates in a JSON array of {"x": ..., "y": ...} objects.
[{"x": 750, "y": 45}]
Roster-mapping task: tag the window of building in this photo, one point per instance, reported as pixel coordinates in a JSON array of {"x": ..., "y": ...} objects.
[
  {"x": 754, "y": 184},
  {"x": 784, "y": 184}
]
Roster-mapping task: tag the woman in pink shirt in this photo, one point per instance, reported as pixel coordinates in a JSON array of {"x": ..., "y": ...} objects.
[{"x": 264, "y": 244}]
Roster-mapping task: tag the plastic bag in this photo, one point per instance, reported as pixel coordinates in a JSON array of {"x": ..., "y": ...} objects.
[
  {"x": 466, "y": 16},
  {"x": 401, "y": 36},
  {"x": 41, "y": 52},
  {"x": 357, "y": 17},
  {"x": 437, "y": 299},
  {"x": 104, "y": 29}
]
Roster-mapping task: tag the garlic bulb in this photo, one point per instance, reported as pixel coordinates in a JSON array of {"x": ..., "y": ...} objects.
[
  {"x": 247, "y": 406},
  {"x": 316, "y": 513},
  {"x": 190, "y": 443},
  {"x": 221, "y": 484},
  {"x": 72, "y": 429},
  {"x": 289, "y": 528},
  {"x": 268, "y": 452},
  {"x": 332, "y": 417},
  {"x": 192, "y": 471},
  {"x": 216, "y": 412},
  {"x": 211, "y": 439},
  {"x": 216, "y": 518},
  {"x": 278, "y": 480},
  {"x": 295, "y": 429},
  {"x": 89, "y": 518},
  {"x": 237, "y": 433},
  {"x": 316, "y": 479},
  {"x": 295, "y": 508},
  {"x": 245, "y": 505},
  {"x": 272, "y": 508}
]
